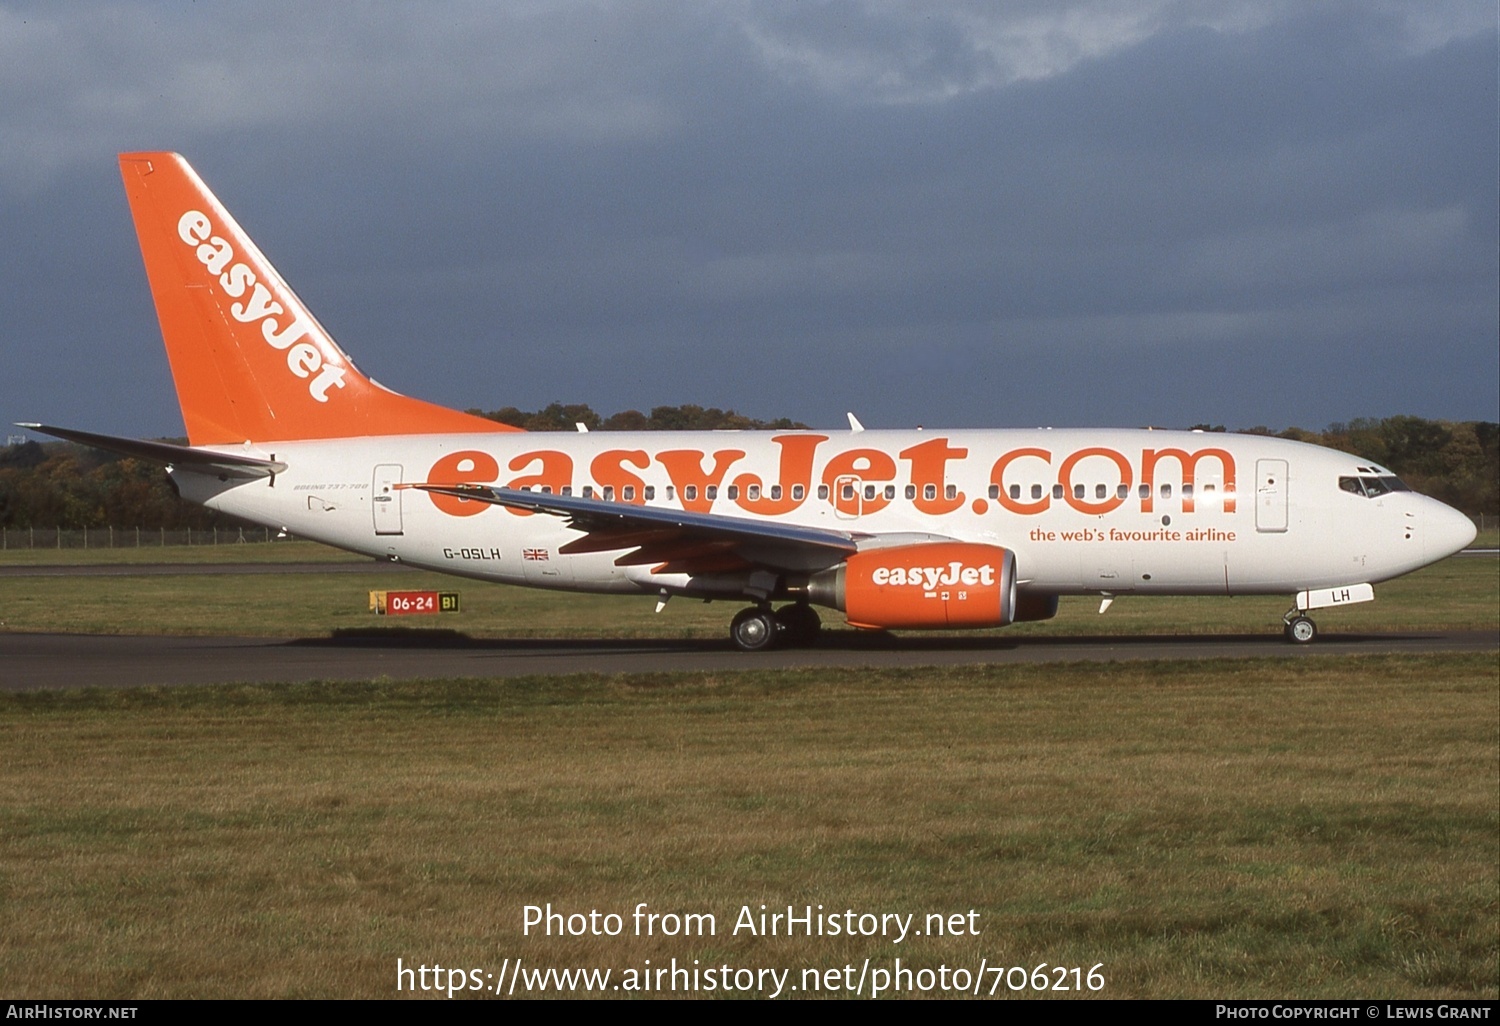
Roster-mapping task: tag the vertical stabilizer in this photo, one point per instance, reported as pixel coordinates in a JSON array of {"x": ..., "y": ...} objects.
[{"x": 250, "y": 362}]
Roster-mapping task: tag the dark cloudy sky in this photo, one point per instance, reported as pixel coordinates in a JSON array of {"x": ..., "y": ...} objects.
[{"x": 1067, "y": 212}]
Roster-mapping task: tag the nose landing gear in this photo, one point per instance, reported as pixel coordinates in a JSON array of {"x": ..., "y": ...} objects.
[{"x": 1299, "y": 627}]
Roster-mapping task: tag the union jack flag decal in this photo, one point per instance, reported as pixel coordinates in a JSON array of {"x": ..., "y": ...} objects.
[{"x": 536, "y": 554}]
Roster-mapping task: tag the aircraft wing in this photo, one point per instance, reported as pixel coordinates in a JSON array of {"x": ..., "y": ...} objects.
[
  {"x": 673, "y": 540},
  {"x": 201, "y": 460}
]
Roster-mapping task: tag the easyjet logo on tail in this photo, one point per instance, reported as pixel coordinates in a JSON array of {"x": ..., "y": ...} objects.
[{"x": 284, "y": 332}]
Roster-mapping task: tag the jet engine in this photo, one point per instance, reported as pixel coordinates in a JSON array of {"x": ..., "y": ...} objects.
[{"x": 933, "y": 585}]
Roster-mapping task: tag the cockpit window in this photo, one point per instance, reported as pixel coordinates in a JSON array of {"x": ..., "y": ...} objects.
[{"x": 1373, "y": 486}]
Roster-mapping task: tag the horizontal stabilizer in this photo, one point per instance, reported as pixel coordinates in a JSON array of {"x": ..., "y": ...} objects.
[{"x": 182, "y": 456}]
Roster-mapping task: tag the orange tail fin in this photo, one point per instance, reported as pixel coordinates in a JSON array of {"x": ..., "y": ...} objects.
[{"x": 249, "y": 361}]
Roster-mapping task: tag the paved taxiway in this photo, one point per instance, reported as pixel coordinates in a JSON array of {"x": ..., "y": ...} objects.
[{"x": 33, "y": 661}]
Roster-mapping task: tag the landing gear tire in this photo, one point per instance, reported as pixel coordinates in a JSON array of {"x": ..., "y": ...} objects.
[
  {"x": 753, "y": 630},
  {"x": 799, "y": 624},
  {"x": 1300, "y": 630}
]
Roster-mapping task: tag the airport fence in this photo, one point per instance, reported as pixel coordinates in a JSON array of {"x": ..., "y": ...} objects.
[{"x": 134, "y": 537}]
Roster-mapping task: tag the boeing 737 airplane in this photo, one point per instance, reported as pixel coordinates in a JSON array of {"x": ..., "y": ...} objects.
[{"x": 894, "y": 529}]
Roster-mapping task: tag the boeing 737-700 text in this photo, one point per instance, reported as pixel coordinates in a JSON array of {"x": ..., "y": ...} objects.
[{"x": 895, "y": 529}]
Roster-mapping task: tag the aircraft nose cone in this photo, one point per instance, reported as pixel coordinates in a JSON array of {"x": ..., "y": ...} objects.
[{"x": 1446, "y": 531}]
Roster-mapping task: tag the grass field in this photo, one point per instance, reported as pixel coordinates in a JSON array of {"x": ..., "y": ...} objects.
[
  {"x": 1328, "y": 827},
  {"x": 1318, "y": 828}
]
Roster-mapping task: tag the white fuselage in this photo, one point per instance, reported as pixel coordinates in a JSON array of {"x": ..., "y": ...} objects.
[{"x": 1084, "y": 511}]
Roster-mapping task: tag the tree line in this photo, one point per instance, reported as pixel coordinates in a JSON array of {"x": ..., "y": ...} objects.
[
  {"x": 58, "y": 484},
  {"x": 567, "y": 417}
]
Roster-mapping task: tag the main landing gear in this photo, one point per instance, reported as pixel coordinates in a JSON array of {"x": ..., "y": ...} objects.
[
  {"x": 759, "y": 628},
  {"x": 1299, "y": 627}
]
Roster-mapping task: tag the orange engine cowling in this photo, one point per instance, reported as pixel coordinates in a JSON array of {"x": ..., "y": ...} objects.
[{"x": 933, "y": 585}]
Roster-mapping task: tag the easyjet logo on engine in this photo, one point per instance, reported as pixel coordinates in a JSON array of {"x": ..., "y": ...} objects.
[
  {"x": 289, "y": 334},
  {"x": 932, "y": 578}
]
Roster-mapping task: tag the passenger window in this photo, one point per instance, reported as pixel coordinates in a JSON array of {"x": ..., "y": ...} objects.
[
  {"x": 890, "y": 491},
  {"x": 1057, "y": 491},
  {"x": 609, "y": 493},
  {"x": 711, "y": 492},
  {"x": 628, "y": 492},
  {"x": 1187, "y": 491},
  {"x": 848, "y": 492},
  {"x": 1166, "y": 491},
  {"x": 798, "y": 492},
  {"x": 546, "y": 489},
  {"x": 567, "y": 489},
  {"x": 671, "y": 492},
  {"x": 929, "y": 491},
  {"x": 650, "y": 492},
  {"x": 1122, "y": 492},
  {"x": 588, "y": 491},
  {"x": 869, "y": 491},
  {"x": 1144, "y": 491},
  {"x": 822, "y": 491},
  {"x": 1208, "y": 489},
  {"x": 690, "y": 493},
  {"x": 911, "y": 491},
  {"x": 951, "y": 492},
  {"x": 752, "y": 492},
  {"x": 1100, "y": 491},
  {"x": 776, "y": 491},
  {"x": 1036, "y": 491},
  {"x": 1078, "y": 491},
  {"x": 733, "y": 492}
]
